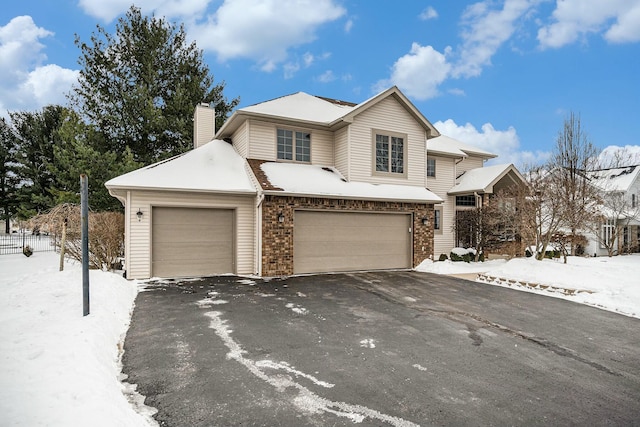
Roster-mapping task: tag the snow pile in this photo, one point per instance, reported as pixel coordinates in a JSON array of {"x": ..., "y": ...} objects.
[
  {"x": 58, "y": 367},
  {"x": 608, "y": 283},
  {"x": 459, "y": 267}
]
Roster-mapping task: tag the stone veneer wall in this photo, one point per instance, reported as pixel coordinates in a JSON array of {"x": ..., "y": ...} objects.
[{"x": 277, "y": 237}]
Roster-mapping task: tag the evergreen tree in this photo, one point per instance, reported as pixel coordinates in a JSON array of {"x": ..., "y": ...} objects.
[
  {"x": 9, "y": 180},
  {"x": 76, "y": 156},
  {"x": 139, "y": 87},
  {"x": 37, "y": 134}
]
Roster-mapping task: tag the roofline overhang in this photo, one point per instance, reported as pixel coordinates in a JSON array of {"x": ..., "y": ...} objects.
[
  {"x": 180, "y": 190},
  {"x": 340, "y": 196}
]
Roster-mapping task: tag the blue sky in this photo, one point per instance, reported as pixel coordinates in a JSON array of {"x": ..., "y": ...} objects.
[{"x": 502, "y": 75}]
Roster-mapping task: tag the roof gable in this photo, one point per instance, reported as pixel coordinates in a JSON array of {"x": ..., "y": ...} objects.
[{"x": 482, "y": 180}]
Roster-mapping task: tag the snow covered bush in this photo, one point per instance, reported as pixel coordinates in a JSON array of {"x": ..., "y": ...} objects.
[{"x": 443, "y": 257}]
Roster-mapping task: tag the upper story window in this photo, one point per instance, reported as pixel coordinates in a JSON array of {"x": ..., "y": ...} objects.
[
  {"x": 294, "y": 145},
  {"x": 633, "y": 200},
  {"x": 431, "y": 167},
  {"x": 390, "y": 152}
]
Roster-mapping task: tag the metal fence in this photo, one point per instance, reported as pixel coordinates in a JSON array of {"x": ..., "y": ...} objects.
[{"x": 14, "y": 243}]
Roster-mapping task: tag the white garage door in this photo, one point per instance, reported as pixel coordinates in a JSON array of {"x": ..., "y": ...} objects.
[
  {"x": 348, "y": 241},
  {"x": 192, "y": 242}
]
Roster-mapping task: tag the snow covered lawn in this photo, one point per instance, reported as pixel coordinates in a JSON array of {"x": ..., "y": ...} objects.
[
  {"x": 608, "y": 283},
  {"x": 59, "y": 368}
]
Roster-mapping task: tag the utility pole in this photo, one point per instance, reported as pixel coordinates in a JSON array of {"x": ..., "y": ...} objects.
[{"x": 84, "y": 214}]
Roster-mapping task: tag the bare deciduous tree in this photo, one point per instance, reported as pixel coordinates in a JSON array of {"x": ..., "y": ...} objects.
[{"x": 573, "y": 156}]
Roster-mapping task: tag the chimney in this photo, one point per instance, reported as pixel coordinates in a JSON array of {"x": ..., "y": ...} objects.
[{"x": 204, "y": 124}]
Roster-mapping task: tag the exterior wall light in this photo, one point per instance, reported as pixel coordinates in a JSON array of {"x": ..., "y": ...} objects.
[
  {"x": 425, "y": 220},
  {"x": 280, "y": 217},
  {"x": 139, "y": 214}
]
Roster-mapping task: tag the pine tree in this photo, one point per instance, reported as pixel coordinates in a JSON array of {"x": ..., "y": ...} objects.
[
  {"x": 9, "y": 180},
  {"x": 139, "y": 87}
]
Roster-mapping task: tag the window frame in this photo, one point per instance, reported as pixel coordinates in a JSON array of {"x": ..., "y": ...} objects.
[
  {"x": 460, "y": 198},
  {"x": 432, "y": 175},
  {"x": 295, "y": 149},
  {"x": 437, "y": 214},
  {"x": 405, "y": 142}
]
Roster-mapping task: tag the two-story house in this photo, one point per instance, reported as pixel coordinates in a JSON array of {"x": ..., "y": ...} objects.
[
  {"x": 298, "y": 184},
  {"x": 619, "y": 207}
]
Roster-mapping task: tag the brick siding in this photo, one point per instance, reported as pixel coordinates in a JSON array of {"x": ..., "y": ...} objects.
[{"x": 277, "y": 237}]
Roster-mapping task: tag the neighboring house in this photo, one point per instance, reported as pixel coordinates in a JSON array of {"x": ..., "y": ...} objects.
[
  {"x": 299, "y": 184},
  {"x": 619, "y": 191},
  {"x": 456, "y": 174}
]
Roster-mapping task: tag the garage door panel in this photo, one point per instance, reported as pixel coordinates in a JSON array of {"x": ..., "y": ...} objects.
[
  {"x": 192, "y": 242},
  {"x": 345, "y": 241}
]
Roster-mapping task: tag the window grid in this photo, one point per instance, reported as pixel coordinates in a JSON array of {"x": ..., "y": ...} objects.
[
  {"x": 469, "y": 200},
  {"x": 289, "y": 142},
  {"x": 431, "y": 167},
  {"x": 389, "y": 152}
]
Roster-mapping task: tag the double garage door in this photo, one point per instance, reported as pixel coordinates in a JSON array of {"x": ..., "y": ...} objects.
[
  {"x": 188, "y": 242},
  {"x": 348, "y": 241},
  {"x": 192, "y": 242}
]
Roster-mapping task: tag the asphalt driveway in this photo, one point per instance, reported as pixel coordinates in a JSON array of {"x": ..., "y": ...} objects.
[{"x": 374, "y": 349}]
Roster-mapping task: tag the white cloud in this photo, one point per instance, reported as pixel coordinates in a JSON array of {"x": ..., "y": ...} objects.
[
  {"x": 428, "y": 13},
  {"x": 418, "y": 73},
  {"x": 290, "y": 69},
  {"x": 485, "y": 32},
  {"x": 618, "y": 20},
  {"x": 504, "y": 143},
  {"x": 485, "y": 29},
  {"x": 263, "y": 30},
  {"x": 109, "y": 10},
  {"x": 326, "y": 77},
  {"x": 27, "y": 83},
  {"x": 348, "y": 26}
]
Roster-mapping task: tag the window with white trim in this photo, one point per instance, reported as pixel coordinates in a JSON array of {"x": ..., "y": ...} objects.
[
  {"x": 389, "y": 152},
  {"x": 437, "y": 220},
  {"x": 431, "y": 167},
  {"x": 294, "y": 145},
  {"x": 607, "y": 233}
]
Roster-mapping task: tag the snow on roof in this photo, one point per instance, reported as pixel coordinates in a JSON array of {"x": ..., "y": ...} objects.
[
  {"x": 615, "y": 179},
  {"x": 214, "y": 166},
  {"x": 479, "y": 179},
  {"x": 446, "y": 145},
  {"x": 327, "y": 181},
  {"x": 301, "y": 106}
]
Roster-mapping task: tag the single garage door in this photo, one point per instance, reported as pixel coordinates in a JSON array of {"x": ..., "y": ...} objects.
[
  {"x": 348, "y": 241},
  {"x": 191, "y": 242}
]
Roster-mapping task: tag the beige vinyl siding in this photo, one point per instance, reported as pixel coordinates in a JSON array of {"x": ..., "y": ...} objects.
[
  {"x": 139, "y": 257},
  {"x": 387, "y": 115},
  {"x": 342, "y": 151},
  {"x": 469, "y": 163},
  {"x": 441, "y": 184},
  {"x": 239, "y": 139},
  {"x": 322, "y": 148},
  {"x": 262, "y": 140},
  {"x": 263, "y": 144}
]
